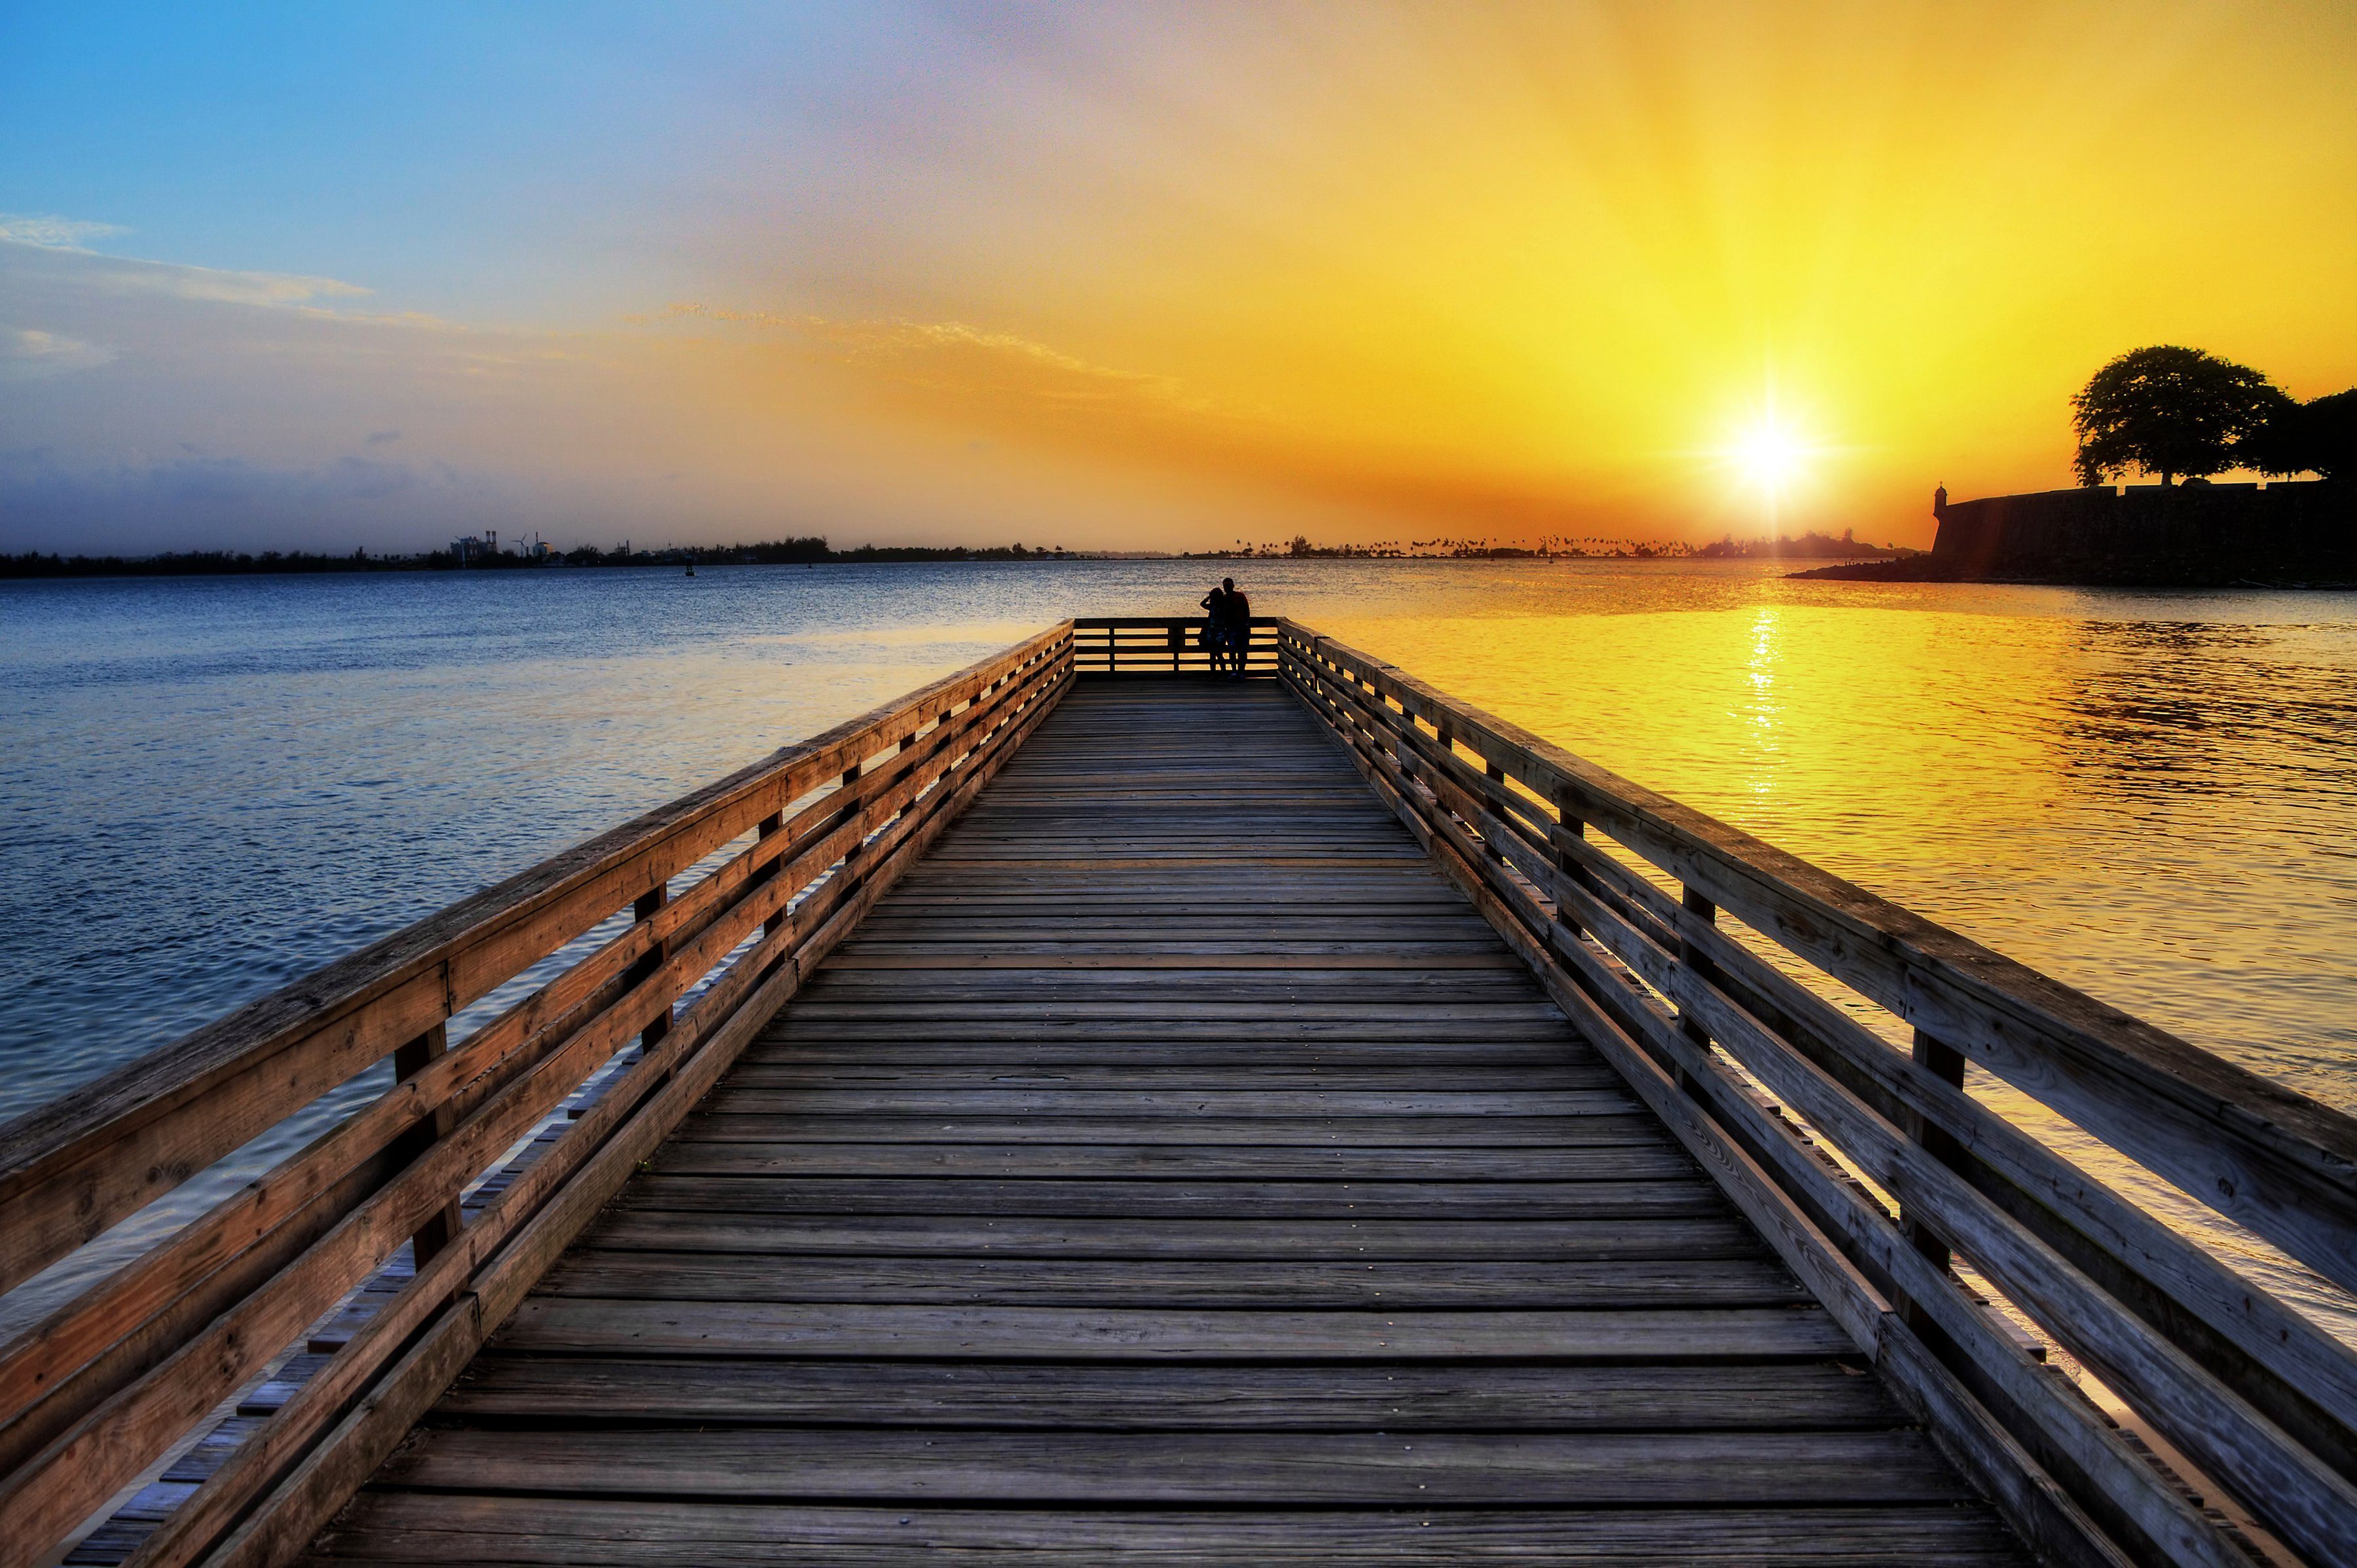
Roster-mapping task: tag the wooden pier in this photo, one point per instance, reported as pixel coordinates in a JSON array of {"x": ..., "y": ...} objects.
[{"x": 1088, "y": 1108}]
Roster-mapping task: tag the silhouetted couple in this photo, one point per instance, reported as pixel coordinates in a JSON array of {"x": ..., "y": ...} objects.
[{"x": 1228, "y": 630}]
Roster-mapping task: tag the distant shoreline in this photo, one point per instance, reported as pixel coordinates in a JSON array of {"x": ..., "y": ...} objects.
[
  {"x": 471, "y": 555},
  {"x": 273, "y": 562}
]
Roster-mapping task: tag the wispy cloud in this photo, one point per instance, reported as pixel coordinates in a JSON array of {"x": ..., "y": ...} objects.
[
  {"x": 28, "y": 352},
  {"x": 222, "y": 286},
  {"x": 946, "y": 355},
  {"x": 52, "y": 242},
  {"x": 52, "y": 232}
]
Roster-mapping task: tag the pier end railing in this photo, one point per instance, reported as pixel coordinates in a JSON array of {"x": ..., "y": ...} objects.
[{"x": 1163, "y": 645}]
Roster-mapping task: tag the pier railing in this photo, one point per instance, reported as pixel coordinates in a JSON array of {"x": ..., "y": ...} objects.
[
  {"x": 1161, "y": 645},
  {"x": 1652, "y": 926},
  {"x": 673, "y": 939}
]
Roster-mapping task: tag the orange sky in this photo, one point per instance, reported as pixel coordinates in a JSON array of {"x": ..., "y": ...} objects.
[{"x": 1161, "y": 277}]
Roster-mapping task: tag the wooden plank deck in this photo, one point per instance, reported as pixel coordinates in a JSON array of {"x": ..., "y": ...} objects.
[{"x": 1172, "y": 1165}]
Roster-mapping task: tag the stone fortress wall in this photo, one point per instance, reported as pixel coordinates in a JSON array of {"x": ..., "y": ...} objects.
[{"x": 2294, "y": 529}]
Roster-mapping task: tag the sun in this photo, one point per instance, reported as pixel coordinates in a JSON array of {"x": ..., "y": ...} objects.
[{"x": 1770, "y": 455}]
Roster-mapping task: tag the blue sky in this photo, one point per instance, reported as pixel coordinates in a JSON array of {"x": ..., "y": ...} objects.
[
  {"x": 464, "y": 159},
  {"x": 1132, "y": 275}
]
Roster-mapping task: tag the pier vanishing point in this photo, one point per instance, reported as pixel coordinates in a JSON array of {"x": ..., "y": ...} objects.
[{"x": 1089, "y": 1111}]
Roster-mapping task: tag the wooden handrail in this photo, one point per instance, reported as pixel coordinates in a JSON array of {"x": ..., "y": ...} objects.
[
  {"x": 1163, "y": 645},
  {"x": 1750, "y": 1065},
  {"x": 111, "y": 1379},
  {"x": 1087, "y": 624}
]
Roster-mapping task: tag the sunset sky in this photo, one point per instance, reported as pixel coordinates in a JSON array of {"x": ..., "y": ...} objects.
[{"x": 1131, "y": 277}]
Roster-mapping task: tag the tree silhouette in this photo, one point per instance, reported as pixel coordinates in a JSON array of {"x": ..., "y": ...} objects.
[
  {"x": 2168, "y": 411},
  {"x": 2317, "y": 436}
]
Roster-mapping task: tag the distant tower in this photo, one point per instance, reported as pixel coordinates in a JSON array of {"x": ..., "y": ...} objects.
[{"x": 1939, "y": 501}]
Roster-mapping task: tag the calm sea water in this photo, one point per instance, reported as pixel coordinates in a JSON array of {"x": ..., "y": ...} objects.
[{"x": 210, "y": 786}]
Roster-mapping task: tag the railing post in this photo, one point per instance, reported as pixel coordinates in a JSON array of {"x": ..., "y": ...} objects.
[
  {"x": 409, "y": 1059},
  {"x": 1698, "y": 965},
  {"x": 643, "y": 910},
  {"x": 1569, "y": 821},
  {"x": 1566, "y": 864},
  {"x": 771, "y": 824},
  {"x": 851, "y": 776},
  {"x": 1947, "y": 1064},
  {"x": 1496, "y": 775}
]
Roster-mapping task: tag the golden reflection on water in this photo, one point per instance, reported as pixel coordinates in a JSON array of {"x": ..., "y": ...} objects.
[
  {"x": 1855, "y": 738},
  {"x": 1762, "y": 707}
]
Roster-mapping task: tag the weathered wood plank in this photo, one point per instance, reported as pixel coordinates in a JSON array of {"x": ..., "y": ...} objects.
[
  {"x": 1215, "y": 1054},
  {"x": 1436, "y": 1019},
  {"x": 1657, "y": 1161},
  {"x": 730, "y": 1120},
  {"x": 1428, "y": 1469},
  {"x": 1112, "y": 956},
  {"x": 1505, "y": 1105},
  {"x": 592, "y": 1326},
  {"x": 1627, "y": 1127},
  {"x": 1173, "y": 1197},
  {"x": 1113, "y": 1397},
  {"x": 1453, "y": 1028},
  {"x": 1084, "y": 1077},
  {"x": 1156, "y": 927},
  {"x": 912, "y": 1235},
  {"x": 412, "y": 1528},
  {"x": 1401, "y": 987},
  {"x": 1225, "y": 1283}
]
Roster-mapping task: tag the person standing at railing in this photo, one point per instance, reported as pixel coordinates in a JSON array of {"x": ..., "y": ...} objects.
[
  {"x": 1239, "y": 609},
  {"x": 1215, "y": 622}
]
